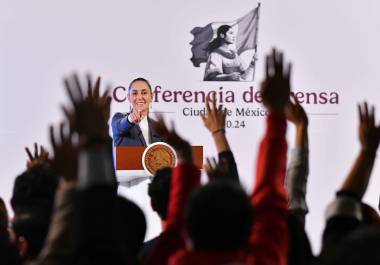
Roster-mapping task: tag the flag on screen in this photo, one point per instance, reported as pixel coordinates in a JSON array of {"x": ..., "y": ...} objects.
[{"x": 246, "y": 37}]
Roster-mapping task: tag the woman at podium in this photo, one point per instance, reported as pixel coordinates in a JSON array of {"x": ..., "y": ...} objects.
[{"x": 134, "y": 128}]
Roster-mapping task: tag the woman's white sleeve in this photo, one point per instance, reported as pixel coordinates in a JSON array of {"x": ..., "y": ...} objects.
[{"x": 213, "y": 66}]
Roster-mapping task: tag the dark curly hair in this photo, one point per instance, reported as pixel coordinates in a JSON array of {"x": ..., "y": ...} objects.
[
  {"x": 219, "y": 217},
  {"x": 218, "y": 41},
  {"x": 34, "y": 189},
  {"x": 159, "y": 191}
]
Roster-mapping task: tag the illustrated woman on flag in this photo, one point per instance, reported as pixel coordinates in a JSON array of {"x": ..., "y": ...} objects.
[
  {"x": 220, "y": 45},
  {"x": 224, "y": 63}
]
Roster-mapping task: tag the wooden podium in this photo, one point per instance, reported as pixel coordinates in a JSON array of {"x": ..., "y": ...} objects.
[{"x": 130, "y": 157}]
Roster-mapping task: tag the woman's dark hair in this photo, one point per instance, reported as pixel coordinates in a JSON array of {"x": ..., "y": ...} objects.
[
  {"x": 218, "y": 41},
  {"x": 139, "y": 79}
]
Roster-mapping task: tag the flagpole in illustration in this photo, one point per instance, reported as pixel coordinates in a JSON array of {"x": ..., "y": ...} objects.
[{"x": 254, "y": 57}]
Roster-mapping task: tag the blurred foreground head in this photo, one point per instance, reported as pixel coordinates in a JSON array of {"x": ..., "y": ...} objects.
[
  {"x": 3, "y": 217},
  {"x": 219, "y": 217},
  {"x": 132, "y": 225},
  {"x": 34, "y": 189},
  {"x": 159, "y": 191},
  {"x": 360, "y": 247},
  {"x": 32, "y": 201}
]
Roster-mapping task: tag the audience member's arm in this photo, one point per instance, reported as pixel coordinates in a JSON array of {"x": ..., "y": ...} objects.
[
  {"x": 215, "y": 121},
  {"x": 86, "y": 119},
  {"x": 185, "y": 178},
  {"x": 269, "y": 239},
  {"x": 97, "y": 242},
  {"x": 369, "y": 135},
  {"x": 298, "y": 169},
  {"x": 58, "y": 247},
  {"x": 96, "y": 206},
  {"x": 59, "y": 241},
  {"x": 345, "y": 213}
]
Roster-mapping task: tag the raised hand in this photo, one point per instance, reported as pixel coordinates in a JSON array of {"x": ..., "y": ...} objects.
[
  {"x": 369, "y": 136},
  {"x": 170, "y": 136},
  {"x": 90, "y": 112},
  {"x": 295, "y": 113},
  {"x": 215, "y": 121},
  {"x": 65, "y": 160},
  {"x": 39, "y": 157},
  {"x": 215, "y": 117},
  {"x": 135, "y": 116},
  {"x": 275, "y": 89},
  {"x": 215, "y": 170},
  {"x": 369, "y": 133}
]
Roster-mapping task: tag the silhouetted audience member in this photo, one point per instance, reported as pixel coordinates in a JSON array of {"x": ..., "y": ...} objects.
[
  {"x": 347, "y": 218},
  {"x": 219, "y": 217},
  {"x": 108, "y": 229},
  {"x": 34, "y": 189},
  {"x": 159, "y": 192},
  {"x": 32, "y": 202},
  {"x": 360, "y": 246}
]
